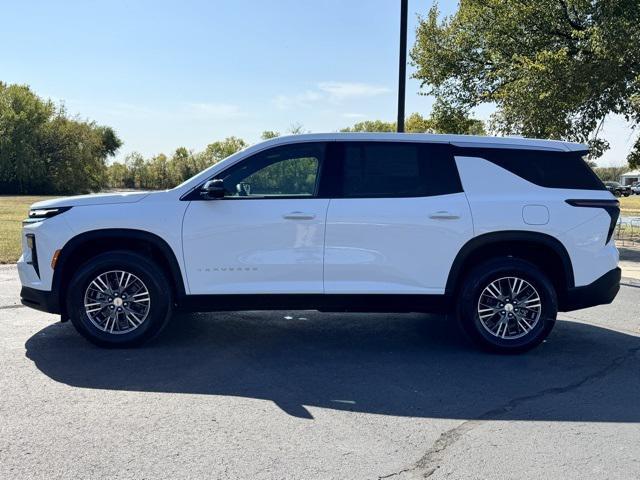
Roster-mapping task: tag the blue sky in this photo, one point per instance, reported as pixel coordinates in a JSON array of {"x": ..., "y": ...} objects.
[{"x": 169, "y": 74}]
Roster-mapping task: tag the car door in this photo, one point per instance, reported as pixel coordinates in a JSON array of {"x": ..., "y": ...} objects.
[
  {"x": 397, "y": 220},
  {"x": 266, "y": 235}
]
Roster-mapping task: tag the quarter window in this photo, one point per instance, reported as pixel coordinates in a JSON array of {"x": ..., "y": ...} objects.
[{"x": 550, "y": 169}]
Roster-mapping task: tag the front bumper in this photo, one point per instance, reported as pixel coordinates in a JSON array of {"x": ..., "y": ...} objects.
[
  {"x": 600, "y": 292},
  {"x": 42, "y": 300}
]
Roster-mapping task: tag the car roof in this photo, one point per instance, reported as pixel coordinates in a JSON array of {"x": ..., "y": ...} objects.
[{"x": 469, "y": 141}]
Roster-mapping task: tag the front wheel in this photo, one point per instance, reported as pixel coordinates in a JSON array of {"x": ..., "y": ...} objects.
[
  {"x": 119, "y": 299},
  {"x": 507, "y": 305}
]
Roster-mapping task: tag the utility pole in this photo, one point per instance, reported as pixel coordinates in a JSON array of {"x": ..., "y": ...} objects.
[{"x": 402, "y": 70}]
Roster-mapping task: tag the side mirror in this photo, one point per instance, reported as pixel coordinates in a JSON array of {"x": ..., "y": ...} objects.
[{"x": 213, "y": 189}]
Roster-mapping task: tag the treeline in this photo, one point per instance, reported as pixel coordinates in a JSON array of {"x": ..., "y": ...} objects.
[
  {"x": 161, "y": 171},
  {"x": 45, "y": 151},
  {"x": 610, "y": 174}
]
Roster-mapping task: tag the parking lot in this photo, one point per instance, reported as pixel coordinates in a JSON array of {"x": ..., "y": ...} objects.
[{"x": 319, "y": 396}]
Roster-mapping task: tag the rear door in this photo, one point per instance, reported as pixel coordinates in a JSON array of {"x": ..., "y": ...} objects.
[{"x": 396, "y": 220}]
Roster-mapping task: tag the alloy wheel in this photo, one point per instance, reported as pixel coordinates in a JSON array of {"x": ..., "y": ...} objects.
[
  {"x": 117, "y": 302},
  {"x": 509, "y": 308}
]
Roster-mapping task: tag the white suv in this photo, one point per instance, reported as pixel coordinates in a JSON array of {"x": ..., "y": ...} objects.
[{"x": 504, "y": 232}]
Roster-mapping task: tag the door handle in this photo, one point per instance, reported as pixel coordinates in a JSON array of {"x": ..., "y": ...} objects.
[
  {"x": 444, "y": 215},
  {"x": 299, "y": 216}
]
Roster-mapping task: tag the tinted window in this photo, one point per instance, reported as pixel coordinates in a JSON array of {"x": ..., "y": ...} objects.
[
  {"x": 290, "y": 170},
  {"x": 385, "y": 169},
  {"x": 544, "y": 168}
]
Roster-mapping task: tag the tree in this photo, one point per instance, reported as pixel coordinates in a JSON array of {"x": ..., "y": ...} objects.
[
  {"x": 117, "y": 174},
  {"x": 297, "y": 129},
  {"x": 447, "y": 118},
  {"x": 159, "y": 175},
  {"x": 43, "y": 150},
  {"x": 268, "y": 134},
  {"x": 553, "y": 68},
  {"x": 610, "y": 174},
  {"x": 444, "y": 119},
  {"x": 138, "y": 171},
  {"x": 372, "y": 126}
]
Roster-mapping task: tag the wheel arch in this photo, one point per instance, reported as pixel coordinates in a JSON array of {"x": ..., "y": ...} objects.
[
  {"x": 543, "y": 250},
  {"x": 88, "y": 244}
]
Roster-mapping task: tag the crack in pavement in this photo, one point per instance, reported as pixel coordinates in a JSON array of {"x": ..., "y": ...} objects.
[
  {"x": 429, "y": 463},
  {"x": 4, "y": 307}
]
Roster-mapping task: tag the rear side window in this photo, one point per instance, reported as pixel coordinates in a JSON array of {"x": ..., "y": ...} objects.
[
  {"x": 544, "y": 168},
  {"x": 384, "y": 169}
]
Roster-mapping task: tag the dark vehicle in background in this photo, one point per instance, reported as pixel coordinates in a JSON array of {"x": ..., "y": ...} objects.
[{"x": 617, "y": 189}]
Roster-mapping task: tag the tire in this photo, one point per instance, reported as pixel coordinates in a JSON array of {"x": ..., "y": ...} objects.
[
  {"x": 115, "y": 316},
  {"x": 484, "y": 304}
]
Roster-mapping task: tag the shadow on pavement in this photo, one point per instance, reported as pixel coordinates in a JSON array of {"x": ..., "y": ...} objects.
[{"x": 404, "y": 365}]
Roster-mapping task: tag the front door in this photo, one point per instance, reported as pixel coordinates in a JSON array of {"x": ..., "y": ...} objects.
[{"x": 267, "y": 234}]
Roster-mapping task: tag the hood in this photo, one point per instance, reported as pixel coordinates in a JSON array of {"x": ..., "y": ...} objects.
[{"x": 95, "y": 199}]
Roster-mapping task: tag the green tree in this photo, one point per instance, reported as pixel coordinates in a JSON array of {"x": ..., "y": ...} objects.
[
  {"x": 217, "y": 151},
  {"x": 447, "y": 118},
  {"x": 159, "y": 174},
  {"x": 117, "y": 175},
  {"x": 372, "y": 126},
  {"x": 138, "y": 171},
  {"x": 443, "y": 119},
  {"x": 43, "y": 150},
  {"x": 610, "y": 174},
  {"x": 181, "y": 166},
  {"x": 268, "y": 134},
  {"x": 553, "y": 68}
]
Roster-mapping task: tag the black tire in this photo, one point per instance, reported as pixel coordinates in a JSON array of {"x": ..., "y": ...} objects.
[
  {"x": 469, "y": 302},
  {"x": 153, "y": 278}
]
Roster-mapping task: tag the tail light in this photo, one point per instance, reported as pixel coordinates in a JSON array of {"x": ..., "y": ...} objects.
[{"x": 612, "y": 207}]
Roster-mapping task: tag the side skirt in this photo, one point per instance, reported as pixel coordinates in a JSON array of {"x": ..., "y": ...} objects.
[{"x": 320, "y": 302}]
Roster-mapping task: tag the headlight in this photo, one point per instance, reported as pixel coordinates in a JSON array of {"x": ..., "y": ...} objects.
[{"x": 40, "y": 214}]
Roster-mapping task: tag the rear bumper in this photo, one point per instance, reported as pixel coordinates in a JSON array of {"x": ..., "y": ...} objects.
[
  {"x": 42, "y": 300},
  {"x": 600, "y": 292}
]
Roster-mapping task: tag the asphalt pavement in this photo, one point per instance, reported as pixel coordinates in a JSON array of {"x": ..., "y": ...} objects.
[{"x": 307, "y": 395}]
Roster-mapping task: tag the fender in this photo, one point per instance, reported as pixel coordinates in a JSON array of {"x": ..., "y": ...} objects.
[
  {"x": 508, "y": 236},
  {"x": 72, "y": 246}
]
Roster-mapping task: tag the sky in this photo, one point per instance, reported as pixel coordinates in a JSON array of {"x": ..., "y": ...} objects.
[{"x": 170, "y": 74}]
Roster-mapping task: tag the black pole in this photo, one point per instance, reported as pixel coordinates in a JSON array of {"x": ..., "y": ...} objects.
[{"x": 402, "y": 70}]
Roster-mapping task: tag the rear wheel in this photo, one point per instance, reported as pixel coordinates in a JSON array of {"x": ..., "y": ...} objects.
[
  {"x": 507, "y": 305},
  {"x": 119, "y": 299}
]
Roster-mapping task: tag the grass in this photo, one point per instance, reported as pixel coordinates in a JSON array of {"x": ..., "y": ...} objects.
[
  {"x": 12, "y": 211},
  {"x": 630, "y": 206}
]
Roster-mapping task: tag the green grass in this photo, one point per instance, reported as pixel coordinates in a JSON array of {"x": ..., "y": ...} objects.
[
  {"x": 630, "y": 206},
  {"x": 12, "y": 211}
]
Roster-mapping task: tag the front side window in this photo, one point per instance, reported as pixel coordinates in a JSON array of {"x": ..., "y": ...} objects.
[{"x": 286, "y": 171}]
